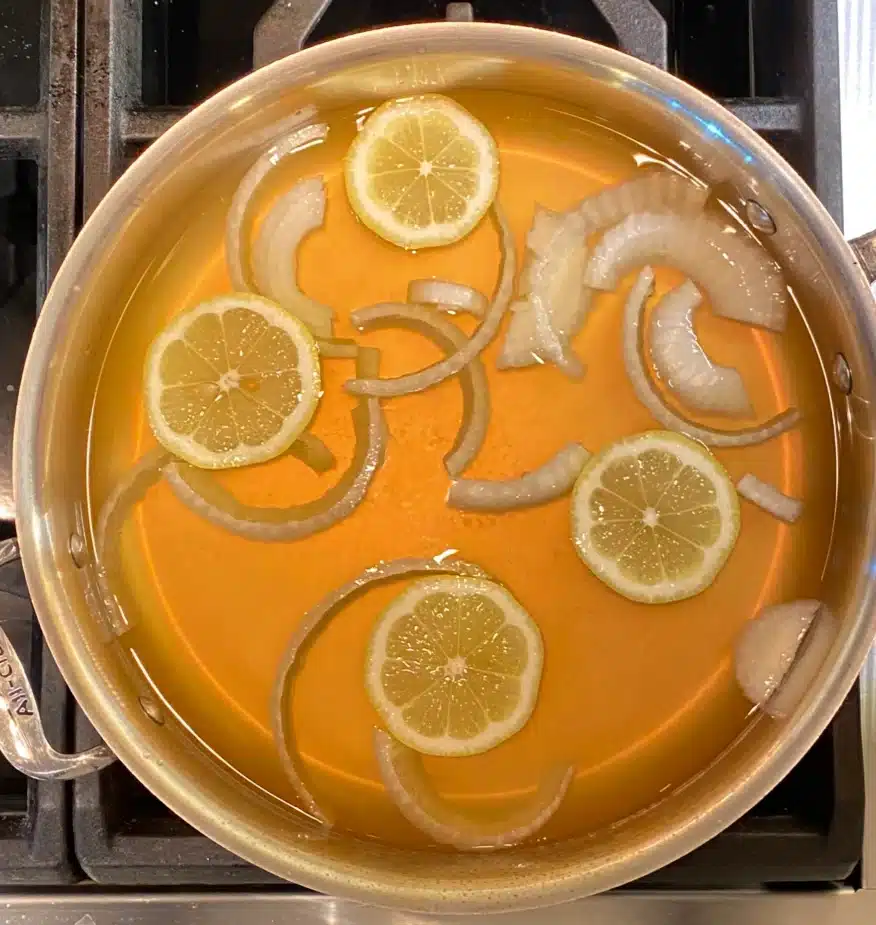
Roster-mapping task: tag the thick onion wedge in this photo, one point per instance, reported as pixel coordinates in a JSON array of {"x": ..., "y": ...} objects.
[
  {"x": 655, "y": 191},
  {"x": 646, "y": 392},
  {"x": 274, "y": 255},
  {"x": 310, "y": 623},
  {"x": 551, "y": 480},
  {"x": 450, "y": 366},
  {"x": 554, "y": 301},
  {"x": 126, "y": 493},
  {"x": 768, "y": 497},
  {"x": 447, "y": 296},
  {"x": 742, "y": 281},
  {"x": 780, "y": 652},
  {"x": 684, "y": 366},
  {"x": 236, "y": 251},
  {"x": 472, "y": 377},
  {"x": 401, "y": 769},
  {"x": 199, "y": 490}
]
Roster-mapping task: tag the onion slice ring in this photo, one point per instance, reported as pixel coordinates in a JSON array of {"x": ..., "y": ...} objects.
[
  {"x": 767, "y": 496},
  {"x": 634, "y": 361},
  {"x": 447, "y": 296},
  {"x": 472, "y": 377},
  {"x": 551, "y": 480},
  {"x": 401, "y": 769},
  {"x": 200, "y": 492},
  {"x": 127, "y": 492},
  {"x": 338, "y": 348},
  {"x": 684, "y": 366},
  {"x": 656, "y": 191},
  {"x": 310, "y": 623},
  {"x": 238, "y": 213},
  {"x": 743, "y": 282},
  {"x": 274, "y": 255},
  {"x": 779, "y": 653},
  {"x": 450, "y": 366}
]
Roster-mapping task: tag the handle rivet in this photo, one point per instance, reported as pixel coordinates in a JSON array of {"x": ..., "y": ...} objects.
[
  {"x": 152, "y": 710},
  {"x": 78, "y": 550},
  {"x": 758, "y": 217},
  {"x": 842, "y": 375}
]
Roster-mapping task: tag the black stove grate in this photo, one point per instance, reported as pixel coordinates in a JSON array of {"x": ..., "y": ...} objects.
[{"x": 142, "y": 64}]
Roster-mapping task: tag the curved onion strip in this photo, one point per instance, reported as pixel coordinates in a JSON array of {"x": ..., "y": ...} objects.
[
  {"x": 743, "y": 282},
  {"x": 450, "y": 366},
  {"x": 684, "y": 366},
  {"x": 199, "y": 490},
  {"x": 634, "y": 362},
  {"x": 126, "y": 493},
  {"x": 313, "y": 453},
  {"x": 235, "y": 251},
  {"x": 411, "y": 790},
  {"x": 768, "y": 497},
  {"x": 447, "y": 296},
  {"x": 551, "y": 480},
  {"x": 310, "y": 623},
  {"x": 472, "y": 378},
  {"x": 554, "y": 301},
  {"x": 338, "y": 348},
  {"x": 656, "y": 191},
  {"x": 274, "y": 255},
  {"x": 779, "y": 653}
]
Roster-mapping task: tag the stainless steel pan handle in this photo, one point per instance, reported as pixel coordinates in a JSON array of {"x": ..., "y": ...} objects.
[{"x": 22, "y": 738}]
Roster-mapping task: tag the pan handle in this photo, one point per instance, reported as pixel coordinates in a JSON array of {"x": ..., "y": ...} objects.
[
  {"x": 865, "y": 250},
  {"x": 22, "y": 738}
]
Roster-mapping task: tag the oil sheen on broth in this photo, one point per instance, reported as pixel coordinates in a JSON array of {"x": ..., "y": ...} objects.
[{"x": 638, "y": 698}]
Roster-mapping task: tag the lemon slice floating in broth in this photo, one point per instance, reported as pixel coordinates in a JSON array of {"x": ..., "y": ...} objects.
[
  {"x": 454, "y": 666},
  {"x": 422, "y": 172},
  {"x": 233, "y": 381},
  {"x": 655, "y": 516}
]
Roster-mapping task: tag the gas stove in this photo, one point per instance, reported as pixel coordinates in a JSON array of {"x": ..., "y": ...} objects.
[{"x": 83, "y": 89}]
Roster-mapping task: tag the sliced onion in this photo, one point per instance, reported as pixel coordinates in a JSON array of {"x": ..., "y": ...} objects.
[
  {"x": 313, "y": 453},
  {"x": 554, "y": 302},
  {"x": 199, "y": 490},
  {"x": 646, "y": 392},
  {"x": 472, "y": 378},
  {"x": 447, "y": 296},
  {"x": 450, "y": 366},
  {"x": 551, "y": 480},
  {"x": 310, "y": 623},
  {"x": 274, "y": 255},
  {"x": 684, "y": 366},
  {"x": 127, "y": 492},
  {"x": 656, "y": 191},
  {"x": 768, "y": 497},
  {"x": 401, "y": 769},
  {"x": 780, "y": 652},
  {"x": 340, "y": 348},
  {"x": 235, "y": 249},
  {"x": 742, "y": 281}
]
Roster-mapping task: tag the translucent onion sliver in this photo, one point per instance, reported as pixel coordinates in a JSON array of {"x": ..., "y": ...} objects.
[
  {"x": 450, "y": 366},
  {"x": 552, "y": 480},
  {"x": 655, "y": 191},
  {"x": 768, "y": 497},
  {"x": 274, "y": 255},
  {"x": 401, "y": 769},
  {"x": 472, "y": 377},
  {"x": 447, "y": 296},
  {"x": 238, "y": 213},
  {"x": 310, "y": 623},
  {"x": 742, "y": 281},
  {"x": 646, "y": 392},
  {"x": 684, "y": 366}
]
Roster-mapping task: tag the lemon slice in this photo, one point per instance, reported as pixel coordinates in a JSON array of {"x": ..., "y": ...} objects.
[
  {"x": 454, "y": 666},
  {"x": 655, "y": 516},
  {"x": 422, "y": 172},
  {"x": 231, "y": 382}
]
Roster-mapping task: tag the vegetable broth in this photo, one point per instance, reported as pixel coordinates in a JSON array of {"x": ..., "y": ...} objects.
[{"x": 638, "y": 698}]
